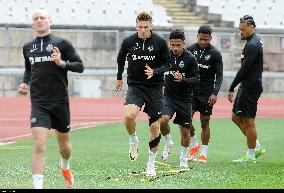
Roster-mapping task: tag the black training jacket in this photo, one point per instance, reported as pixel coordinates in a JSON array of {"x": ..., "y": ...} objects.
[
  {"x": 137, "y": 52},
  {"x": 186, "y": 64},
  {"x": 250, "y": 73},
  {"x": 48, "y": 82},
  {"x": 210, "y": 65}
]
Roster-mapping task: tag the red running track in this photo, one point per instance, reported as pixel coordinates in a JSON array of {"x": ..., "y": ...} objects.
[{"x": 15, "y": 112}]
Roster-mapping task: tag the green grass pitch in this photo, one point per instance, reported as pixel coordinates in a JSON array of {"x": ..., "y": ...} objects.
[{"x": 100, "y": 160}]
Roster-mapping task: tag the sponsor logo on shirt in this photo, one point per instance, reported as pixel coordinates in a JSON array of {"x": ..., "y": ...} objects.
[
  {"x": 203, "y": 66},
  {"x": 147, "y": 58},
  {"x": 40, "y": 59}
]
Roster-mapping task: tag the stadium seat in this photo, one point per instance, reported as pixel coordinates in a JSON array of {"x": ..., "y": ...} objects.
[{"x": 267, "y": 13}]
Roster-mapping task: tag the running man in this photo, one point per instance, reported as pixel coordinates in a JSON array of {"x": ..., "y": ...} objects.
[
  {"x": 210, "y": 65},
  {"x": 250, "y": 79},
  {"x": 148, "y": 57},
  {"x": 179, "y": 81},
  {"x": 48, "y": 58}
]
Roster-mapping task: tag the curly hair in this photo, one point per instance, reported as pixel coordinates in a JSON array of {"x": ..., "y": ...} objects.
[
  {"x": 205, "y": 29},
  {"x": 177, "y": 34}
]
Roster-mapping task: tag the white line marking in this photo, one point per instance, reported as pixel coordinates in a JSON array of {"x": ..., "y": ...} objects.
[{"x": 74, "y": 127}]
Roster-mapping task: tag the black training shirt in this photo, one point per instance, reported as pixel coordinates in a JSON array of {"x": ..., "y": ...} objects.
[
  {"x": 210, "y": 65},
  {"x": 48, "y": 82},
  {"x": 137, "y": 52},
  {"x": 250, "y": 73},
  {"x": 186, "y": 64}
]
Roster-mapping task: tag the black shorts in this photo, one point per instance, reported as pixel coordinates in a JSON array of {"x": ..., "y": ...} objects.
[
  {"x": 51, "y": 116},
  {"x": 151, "y": 97},
  {"x": 245, "y": 103},
  {"x": 200, "y": 104},
  {"x": 181, "y": 108}
]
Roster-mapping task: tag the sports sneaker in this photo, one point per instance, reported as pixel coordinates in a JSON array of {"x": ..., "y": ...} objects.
[
  {"x": 167, "y": 150},
  {"x": 183, "y": 163},
  {"x": 151, "y": 170},
  {"x": 68, "y": 177},
  {"x": 202, "y": 159},
  {"x": 259, "y": 152},
  {"x": 193, "y": 151},
  {"x": 133, "y": 151},
  {"x": 246, "y": 159}
]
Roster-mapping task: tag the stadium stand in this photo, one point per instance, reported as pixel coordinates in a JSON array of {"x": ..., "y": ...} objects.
[
  {"x": 267, "y": 13},
  {"x": 120, "y": 13}
]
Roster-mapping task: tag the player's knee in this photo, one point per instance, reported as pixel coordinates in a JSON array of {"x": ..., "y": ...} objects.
[
  {"x": 129, "y": 117},
  {"x": 39, "y": 147},
  {"x": 155, "y": 142}
]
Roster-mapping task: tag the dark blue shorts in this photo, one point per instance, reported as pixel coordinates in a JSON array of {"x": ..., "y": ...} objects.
[
  {"x": 150, "y": 96},
  {"x": 51, "y": 116},
  {"x": 245, "y": 103},
  {"x": 200, "y": 104},
  {"x": 181, "y": 108}
]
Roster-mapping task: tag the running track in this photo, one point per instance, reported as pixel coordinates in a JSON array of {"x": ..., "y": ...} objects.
[{"x": 15, "y": 112}]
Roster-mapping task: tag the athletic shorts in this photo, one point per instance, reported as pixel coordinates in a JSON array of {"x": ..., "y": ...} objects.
[
  {"x": 245, "y": 103},
  {"x": 181, "y": 108},
  {"x": 51, "y": 116},
  {"x": 200, "y": 104},
  {"x": 150, "y": 96}
]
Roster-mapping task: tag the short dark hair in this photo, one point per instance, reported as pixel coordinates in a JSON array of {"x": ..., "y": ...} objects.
[
  {"x": 177, "y": 34},
  {"x": 205, "y": 29},
  {"x": 143, "y": 16},
  {"x": 247, "y": 19}
]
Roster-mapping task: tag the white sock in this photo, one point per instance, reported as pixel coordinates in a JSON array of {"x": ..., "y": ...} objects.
[
  {"x": 251, "y": 153},
  {"x": 183, "y": 153},
  {"x": 38, "y": 181},
  {"x": 204, "y": 150},
  {"x": 169, "y": 140},
  {"x": 134, "y": 138},
  {"x": 152, "y": 158},
  {"x": 193, "y": 141},
  {"x": 65, "y": 163},
  {"x": 257, "y": 145}
]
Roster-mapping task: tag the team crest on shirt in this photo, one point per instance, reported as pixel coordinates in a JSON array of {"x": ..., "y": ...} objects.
[
  {"x": 151, "y": 48},
  {"x": 207, "y": 57},
  {"x": 49, "y": 47},
  {"x": 32, "y": 60},
  {"x": 181, "y": 64}
]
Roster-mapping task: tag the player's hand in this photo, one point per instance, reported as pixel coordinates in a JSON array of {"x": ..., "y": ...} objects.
[
  {"x": 177, "y": 76},
  {"x": 231, "y": 97},
  {"x": 23, "y": 89},
  {"x": 56, "y": 57},
  {"x": 118, "y": 85},
  {"x": 212, "y": 100},
  {"x": 149, "y": 71}
]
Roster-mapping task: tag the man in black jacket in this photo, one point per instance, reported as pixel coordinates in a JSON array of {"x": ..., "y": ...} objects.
[
  {"x": 179, "y": 81},
  {"x": 250, "y": 79},
  {"x": 210, "y": 65},
  {"x": 48, "y": 58},
  {"x": 148, "y": 57}
]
